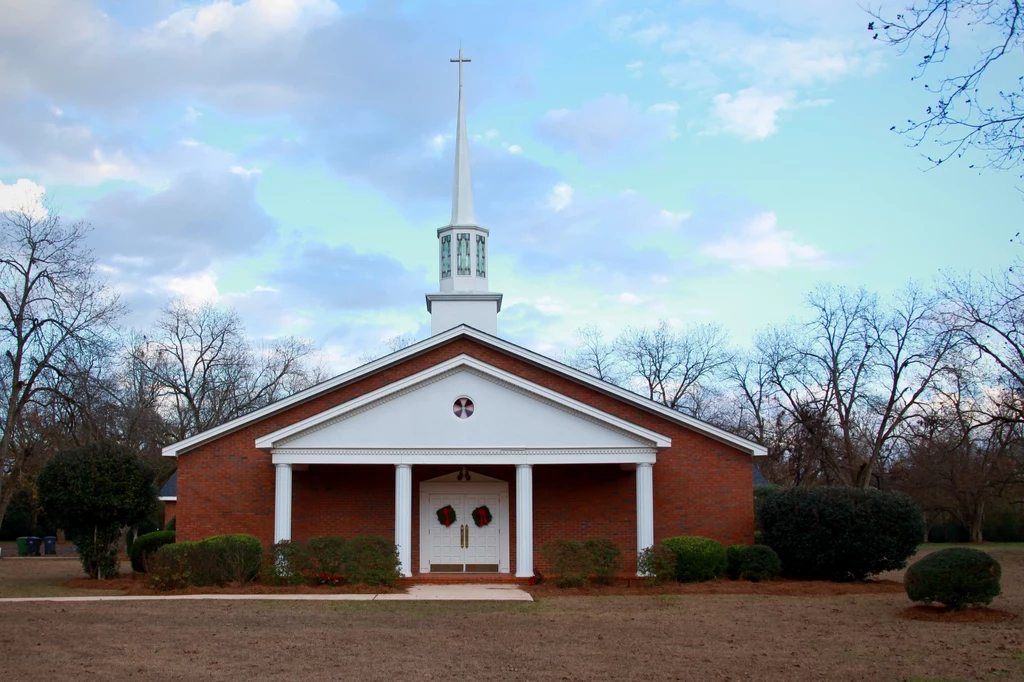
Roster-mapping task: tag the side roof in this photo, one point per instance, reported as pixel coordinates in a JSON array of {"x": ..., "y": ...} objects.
[
  {"x": 463, "y": 331},
  {"x": 169, "y": 492}
]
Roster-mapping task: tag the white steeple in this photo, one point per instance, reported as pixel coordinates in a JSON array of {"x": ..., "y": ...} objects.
[
  {"x": 462, "y": 189},
  {"x": 463, "y": 265}
]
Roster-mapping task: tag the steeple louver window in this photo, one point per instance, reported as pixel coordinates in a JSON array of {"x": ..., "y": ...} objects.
[
  {"x": 463, "y": 243},
  {"x": 446, "y": 256},
  {"x": 481, "y": 256}
]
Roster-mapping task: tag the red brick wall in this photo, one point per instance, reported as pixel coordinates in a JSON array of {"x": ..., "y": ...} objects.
[
  {"x": 169, "y": 513},
  {"x": 701, "y": 486}
]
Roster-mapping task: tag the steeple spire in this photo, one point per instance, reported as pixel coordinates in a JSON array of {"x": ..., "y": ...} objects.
[{"x": 462, "y": 190}]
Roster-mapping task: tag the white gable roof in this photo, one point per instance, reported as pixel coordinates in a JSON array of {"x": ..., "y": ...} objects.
[
  {"x": 523, "y": 354},
  {"x": 417, "y": 412}
]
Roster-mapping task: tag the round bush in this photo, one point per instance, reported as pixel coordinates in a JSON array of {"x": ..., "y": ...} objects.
[
  {"x": 697, "y": 559},
  {"x": 145, "y": 545},
  {"x": 758, "y": 562},
  {"x": 732, "y": 561},
  {"x": 840, "y": 534},
  {"x": 955, "y": 577}
]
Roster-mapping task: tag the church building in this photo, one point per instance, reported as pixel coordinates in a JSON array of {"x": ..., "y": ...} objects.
[{"x": 470, "y": 451}]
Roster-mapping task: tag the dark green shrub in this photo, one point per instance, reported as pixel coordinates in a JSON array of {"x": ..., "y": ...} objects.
[
  {"x": 145, "y": 545},
  {"x": 955, "y": 577},
  {"x": 569, "y": 560},
  {"x": 168, "y": 569},
  {"x": 732, "y": 561},
  {"x": 92, "y": 493},
  {"x": 758, "y": 562},
  {"x": 327, "y": 555},
  {"x": 372, "y": 560},
  {"x": 697, "y": 559},
  {"x": 840, "y": 534},
  {"x": 605, "y": 558},
  {"x": 763, "y": 492},
  {"x": 171, "y": 524},
  {"x": 657, "y": 563},
  {"x": 1003, "y": 525},
  {"x": 285, "y": 563},
  {"x": 758, "y": 537},
  {"x": 234, "y": 558}
]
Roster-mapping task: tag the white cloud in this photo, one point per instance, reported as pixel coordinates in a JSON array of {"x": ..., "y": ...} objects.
[
  {"x": 635, "y": 69},
  {"x": 248, "y": 22},
  {"x": 750, "y": 114},
  {"x": 23, "y": 196},
  {"x": 245, "y": 172},
  {"x": 200, "y": 288},
  {"x": 628, "y": 298},
  {"x": 560, "y": 197},
  {"x": 607, "y": 126},
  {"x": 760, "y": 245},
  {"x": 514, "y": 149}
]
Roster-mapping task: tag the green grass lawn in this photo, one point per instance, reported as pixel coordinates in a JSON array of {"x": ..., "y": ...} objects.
[{"x": 983, "y": 546}]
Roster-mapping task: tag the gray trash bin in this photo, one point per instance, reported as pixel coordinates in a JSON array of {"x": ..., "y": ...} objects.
[
  {"x": 34, "y": 545},
  {"x": 50, "y": 545}
]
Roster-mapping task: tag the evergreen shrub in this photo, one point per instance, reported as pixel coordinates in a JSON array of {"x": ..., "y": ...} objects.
[
  {"x": 732, "y": 561},
  {"x": 956, "y": 577},
  {"x": 657, "y": 563},
  {"x": 605, "y": 558},
  {"x": 840, "y": 534},
  {"x": 757, "y": 563},
  {"x": 372, "y": 560},
  {"x": 569, "y": 560},
  {"x": 697, "y": 559},
  {"x": 147, "y": 544}
]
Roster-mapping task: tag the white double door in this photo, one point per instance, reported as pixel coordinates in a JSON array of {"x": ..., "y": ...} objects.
[{"x": 463, "y": 546}]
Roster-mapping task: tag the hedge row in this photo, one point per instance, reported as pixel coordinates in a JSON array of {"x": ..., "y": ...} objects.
[
  {"x": 217, "y": 560},
  {"x": 367, "y": 560},
  {"x": 146, "y": 545},
  {"x": 575, "y": 562}
]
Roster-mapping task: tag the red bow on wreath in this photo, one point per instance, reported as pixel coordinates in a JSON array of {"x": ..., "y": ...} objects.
[
  {"x": 482, "y": 516},
  {"x": 446, "y": 515}
]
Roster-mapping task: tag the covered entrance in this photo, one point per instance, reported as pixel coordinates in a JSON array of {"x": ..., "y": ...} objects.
[{"x": 464, "y": 546}]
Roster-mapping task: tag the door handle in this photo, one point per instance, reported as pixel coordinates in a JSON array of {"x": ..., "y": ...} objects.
[
  {"x": 462, "y": 536},
  {"x": 467, "y": 536}
]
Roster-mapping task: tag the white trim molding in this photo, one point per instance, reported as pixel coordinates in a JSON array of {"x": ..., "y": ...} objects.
[
  {"x": 466, "y": 457},
  {"x": 644, "y": 508},
  {"x": 487, "y": 340},
  {"x": 168, "y": 499}
]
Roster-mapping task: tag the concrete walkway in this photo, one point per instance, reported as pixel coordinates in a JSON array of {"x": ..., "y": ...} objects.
[{"x": 464, "y": 592}]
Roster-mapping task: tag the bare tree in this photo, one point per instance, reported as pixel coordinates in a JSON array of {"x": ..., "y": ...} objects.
[
  {"x": 52, "y": 307},
  {"x": 960, "y": 459},
  {"x": 392, "y": 344},
  {"x": 970, "y": 110},
  {"x": 594, "y": 355},
  {"x": 861, "y": 368},
  {"x": 670, "y": 365},
  {"x": 208, "y": 372}
]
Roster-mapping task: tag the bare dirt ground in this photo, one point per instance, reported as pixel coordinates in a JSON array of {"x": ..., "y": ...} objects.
[{"x": 655, "y": 637}]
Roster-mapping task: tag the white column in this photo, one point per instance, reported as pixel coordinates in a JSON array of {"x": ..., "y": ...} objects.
[
  {"x": 403, "y": 517},
  {"x": 283, "y": 503},
  {"x": 644, "y": 507},
  {"x": 524, "y": 520}
]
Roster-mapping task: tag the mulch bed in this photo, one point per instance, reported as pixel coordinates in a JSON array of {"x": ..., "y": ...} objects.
[
  {"x": 775, "y": 588},
  {"x": 135, "y": 585},
  {"x": 940, "y": 614}
]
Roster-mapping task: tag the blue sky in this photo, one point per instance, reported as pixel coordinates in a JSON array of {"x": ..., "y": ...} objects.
[{"x": 692, "y": 160}]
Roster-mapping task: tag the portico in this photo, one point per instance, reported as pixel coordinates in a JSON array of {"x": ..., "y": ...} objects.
[{"x": 510, "y": 422}]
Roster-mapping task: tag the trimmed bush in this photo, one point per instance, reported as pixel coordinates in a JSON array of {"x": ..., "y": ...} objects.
[
  {"x": 327, "y": 555},
  {"x": 569, "y": 560},
  {"x": 172, "y": 523},
  {"x": 372, "y": 560},
  {"x": 840, "y": 534},
  {"x": 235, "y": 558},
  {"x": 955, "y": 577},
  {"x": 732, "y": 561},
  {"x": 605, "y": 558},
  {"x": 146, "y": 545},
  {"x": 658, "y": 564},
  {"x": 285, "y": 563},
  {"x": 697, "y": 559},
  {"x": 758, "y": 562},
  {"x": 168, "y": 569}
]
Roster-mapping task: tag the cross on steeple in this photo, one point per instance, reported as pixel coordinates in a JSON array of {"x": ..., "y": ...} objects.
[{"x": 461, "y": 61}]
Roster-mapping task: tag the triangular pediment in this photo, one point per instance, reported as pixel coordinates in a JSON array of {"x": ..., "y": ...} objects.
[{"x": 508, "y": 413}]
